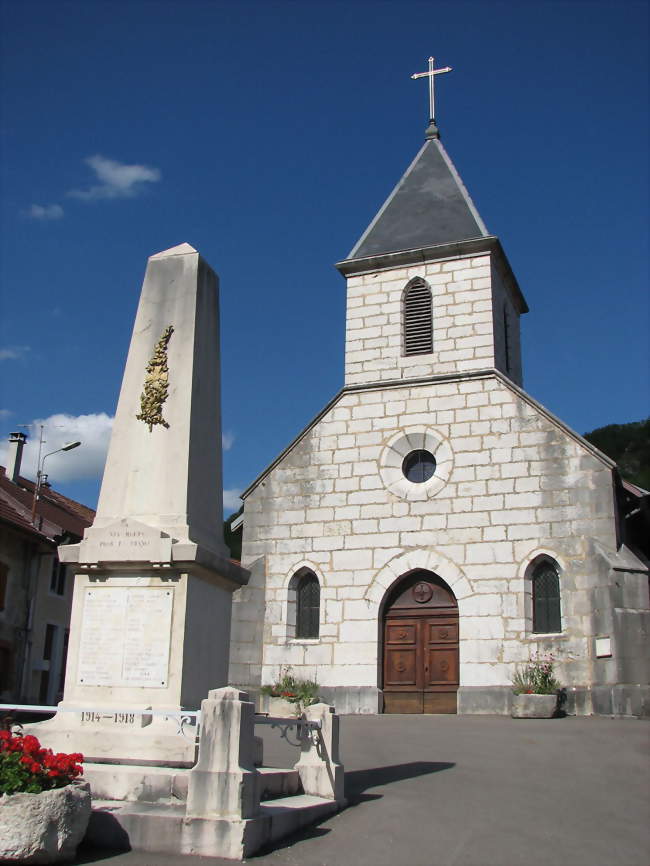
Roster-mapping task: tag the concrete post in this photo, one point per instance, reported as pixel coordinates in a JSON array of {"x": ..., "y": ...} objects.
[
  {"x": 224, "y": 780},
  {"x": 321, "y": 773}
]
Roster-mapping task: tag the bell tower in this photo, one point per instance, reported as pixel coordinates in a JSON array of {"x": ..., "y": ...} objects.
[{"x": 430, "y": 291}]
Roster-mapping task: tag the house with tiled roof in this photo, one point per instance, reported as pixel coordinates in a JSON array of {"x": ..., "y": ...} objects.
[{"x": 35, "y": 587}]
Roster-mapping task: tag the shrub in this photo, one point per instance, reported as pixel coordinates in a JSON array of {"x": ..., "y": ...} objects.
[
  {"x": 536, "y": 677},
  {"x": 27, "y": 768},
  {"x": 303, "y": 693}
]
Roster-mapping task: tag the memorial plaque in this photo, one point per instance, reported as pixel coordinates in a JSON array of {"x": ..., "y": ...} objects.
[
  {"x": 125, "y": 541},
  {"x": 125, "y": 637}
]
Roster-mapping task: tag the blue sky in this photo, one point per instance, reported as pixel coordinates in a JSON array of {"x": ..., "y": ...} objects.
[{"x": 267, "y": 135}]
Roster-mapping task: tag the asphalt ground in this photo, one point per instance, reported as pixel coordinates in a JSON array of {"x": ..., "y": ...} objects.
[{"x": 469, "y": 791}]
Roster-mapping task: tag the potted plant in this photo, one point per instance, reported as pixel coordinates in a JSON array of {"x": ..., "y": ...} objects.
[
  {"x": 535, "y": 689},
  {"x": 44, "y": 810},
  {"x": 288, "y": 696}
]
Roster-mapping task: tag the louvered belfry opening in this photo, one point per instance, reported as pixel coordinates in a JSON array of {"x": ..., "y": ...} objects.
[{"x": 418, "y": 319}]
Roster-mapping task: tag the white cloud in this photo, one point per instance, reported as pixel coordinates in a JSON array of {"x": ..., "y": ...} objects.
[
  {"x": 226, "y": 441},
  {"x": 231, "y": 500},
  {"x": 86, "y": 461},
  {"x": 117, "y": 179},
  {"x": 44, "y": 212},
  {"x": 13, "y": 353},
  {"x": 5, "y": 413}
]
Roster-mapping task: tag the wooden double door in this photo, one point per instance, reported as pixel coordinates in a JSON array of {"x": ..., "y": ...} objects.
[{"x": 420, "y": 671}]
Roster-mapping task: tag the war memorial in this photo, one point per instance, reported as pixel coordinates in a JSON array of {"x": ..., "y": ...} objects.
[{"x": 429, "y": 531}]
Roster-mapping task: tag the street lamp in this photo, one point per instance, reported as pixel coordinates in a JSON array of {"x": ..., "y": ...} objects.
[{"x": 40, "y": 475}]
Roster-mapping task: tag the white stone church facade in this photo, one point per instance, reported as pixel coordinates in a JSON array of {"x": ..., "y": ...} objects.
[{"x": 435, "y": 525}]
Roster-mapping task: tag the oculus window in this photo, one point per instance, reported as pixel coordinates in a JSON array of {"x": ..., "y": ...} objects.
[
  {"x": 416, "y": 462},
  {"x": 419, "y": 466}
]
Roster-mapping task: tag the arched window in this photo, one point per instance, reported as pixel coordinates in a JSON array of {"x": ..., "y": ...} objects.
[
  {"x": 418, "y": 318},
  {"x": 546, "y": 598},
  {"x": 307, "y": 606}
]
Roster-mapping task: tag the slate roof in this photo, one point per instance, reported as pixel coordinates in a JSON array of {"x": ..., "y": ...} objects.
[{"x": 429, "y": 207}]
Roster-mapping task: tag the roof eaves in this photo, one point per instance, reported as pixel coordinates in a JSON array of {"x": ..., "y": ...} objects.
[
  {"x": 584, "y": 443},
  {"x": 439, "y": 252},
  {"x": 399, "y": 383},
  {"x": 292, "y": 444}
]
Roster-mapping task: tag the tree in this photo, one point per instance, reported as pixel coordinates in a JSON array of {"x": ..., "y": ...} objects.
[{"x": 629, "y": 446}]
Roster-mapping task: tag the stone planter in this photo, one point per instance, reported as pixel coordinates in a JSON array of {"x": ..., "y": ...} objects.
[
  {"x": 278, "y": 707},
  {"x": 533, "y": 706},
  {"x": 45, "y": 827}
]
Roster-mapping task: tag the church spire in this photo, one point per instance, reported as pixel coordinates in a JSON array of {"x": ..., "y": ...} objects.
[{"x": 429, "y": 207}]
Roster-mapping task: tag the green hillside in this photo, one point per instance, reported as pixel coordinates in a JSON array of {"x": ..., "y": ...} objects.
[{"x": 629, "y": 446}]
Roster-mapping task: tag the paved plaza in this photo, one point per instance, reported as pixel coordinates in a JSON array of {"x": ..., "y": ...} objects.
[{"x": 470, "y": 791}]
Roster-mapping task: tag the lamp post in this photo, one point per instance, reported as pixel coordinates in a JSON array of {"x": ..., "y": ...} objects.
[{"x": 40, "y": 475}]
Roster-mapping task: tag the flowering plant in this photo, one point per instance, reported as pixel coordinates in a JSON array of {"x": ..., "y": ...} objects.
[
  {"x": 303, "y": 693},
  {"x": 27, "y": 768},
  {"x": 536, "y": 677}
]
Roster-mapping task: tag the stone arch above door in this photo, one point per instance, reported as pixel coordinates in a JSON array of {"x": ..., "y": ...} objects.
[{"x": 412, "y": 560}]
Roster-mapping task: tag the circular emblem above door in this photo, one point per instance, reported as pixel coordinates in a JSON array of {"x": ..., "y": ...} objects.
[{"x": 422, "y": 592}]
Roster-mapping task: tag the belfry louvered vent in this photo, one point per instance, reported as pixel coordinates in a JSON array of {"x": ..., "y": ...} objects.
[{"x": 418, "y": 324}]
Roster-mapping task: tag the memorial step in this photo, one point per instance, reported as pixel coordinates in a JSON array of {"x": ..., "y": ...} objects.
[
  {"x": 289, "y": 814},
  {"x": 137, "y": 783},
  {"x": 276, "y": 782},
  {"x": 158, "y": 828}
]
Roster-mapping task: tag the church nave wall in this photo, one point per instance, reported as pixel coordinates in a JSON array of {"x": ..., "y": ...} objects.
[{"x": 518, "y": 483}]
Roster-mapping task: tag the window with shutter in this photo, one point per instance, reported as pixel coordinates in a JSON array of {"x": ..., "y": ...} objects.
[
  {"x": 546, "y": 599},
  {"x": 418, "y": 318}
]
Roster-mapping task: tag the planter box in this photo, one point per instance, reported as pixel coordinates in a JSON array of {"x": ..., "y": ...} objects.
[
  {"x": 45, "y": 827},
  {"x": 534, "y": 706},
  {"x": 278, "y": 707}
]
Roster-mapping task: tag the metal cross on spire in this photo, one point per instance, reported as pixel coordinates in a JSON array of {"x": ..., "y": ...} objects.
[{"x": 431, "y": 74}]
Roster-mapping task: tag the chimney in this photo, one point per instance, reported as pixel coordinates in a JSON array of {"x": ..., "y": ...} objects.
[{"x": 15, "y": 455}]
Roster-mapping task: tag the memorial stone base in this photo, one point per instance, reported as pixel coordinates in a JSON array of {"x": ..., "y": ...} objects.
[
  {"x": 145, "y": 645},
  {"x": 224, "y": 806}
]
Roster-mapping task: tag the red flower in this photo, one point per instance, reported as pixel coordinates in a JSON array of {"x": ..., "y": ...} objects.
[{"x": 30, "y": 744}]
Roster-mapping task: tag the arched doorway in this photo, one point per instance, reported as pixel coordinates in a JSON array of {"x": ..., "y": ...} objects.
[{"x": 420, "y": 646}]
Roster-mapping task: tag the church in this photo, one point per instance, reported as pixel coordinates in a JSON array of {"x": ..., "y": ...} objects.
[{"x": 435, "y": 526}]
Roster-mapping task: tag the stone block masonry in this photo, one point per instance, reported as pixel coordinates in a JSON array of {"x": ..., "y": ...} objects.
[
  {"x": 469, "y": 297},
  {"x": 517, "y": 474}
]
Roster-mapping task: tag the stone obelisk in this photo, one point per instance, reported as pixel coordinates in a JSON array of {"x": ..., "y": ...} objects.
[{"x": 150, "y": 627}]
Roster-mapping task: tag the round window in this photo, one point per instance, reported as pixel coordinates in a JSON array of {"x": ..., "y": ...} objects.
[{"x": 419, "y": 466}]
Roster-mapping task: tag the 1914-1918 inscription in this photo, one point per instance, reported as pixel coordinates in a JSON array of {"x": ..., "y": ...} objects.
[{"x": 125, "y": 637}]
